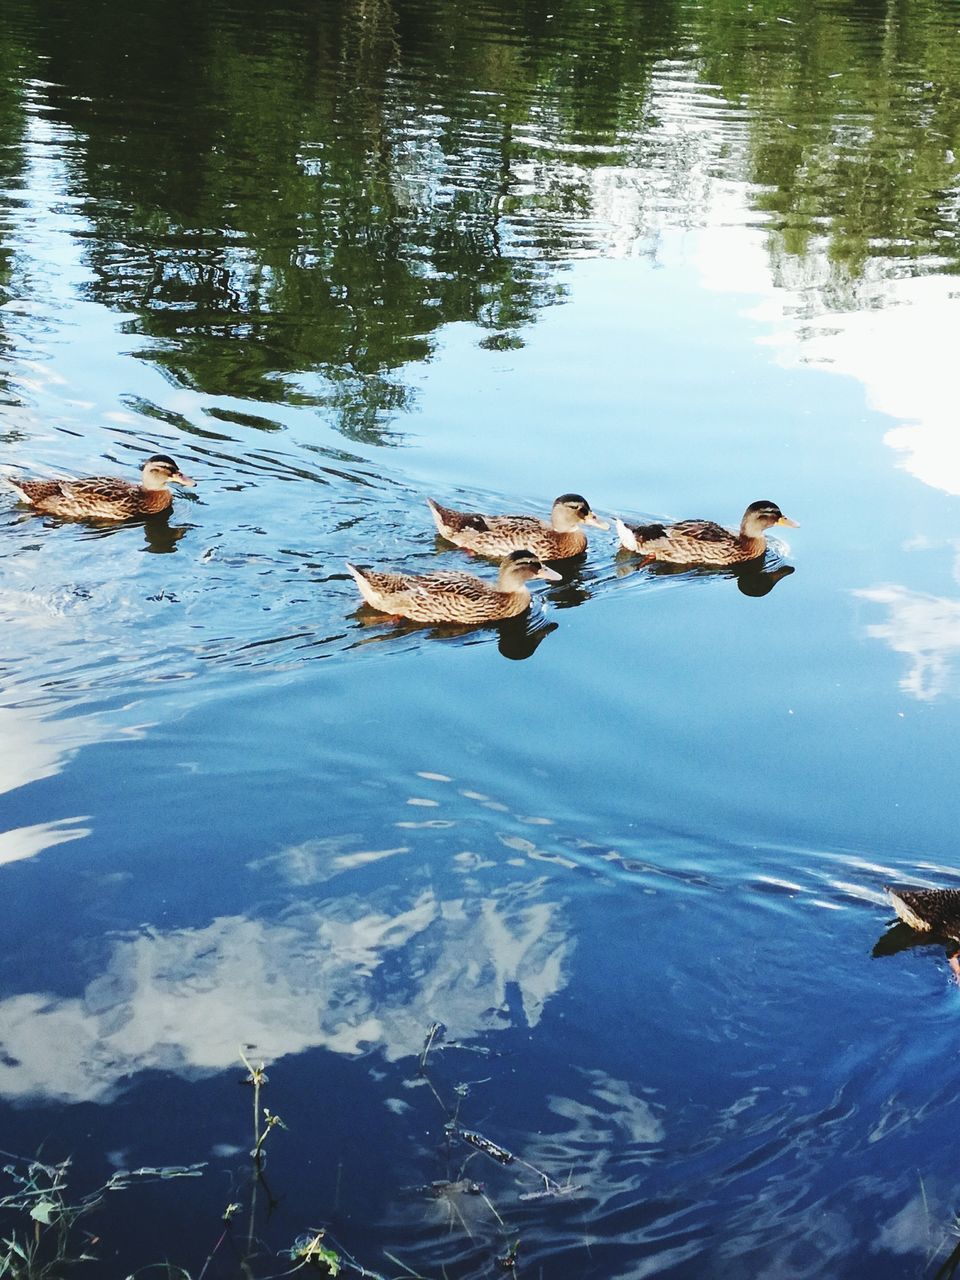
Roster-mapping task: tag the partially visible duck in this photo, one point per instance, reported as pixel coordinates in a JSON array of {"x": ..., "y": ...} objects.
[
  {"x": 106, "y": 497},
  {"x": 454, "y": 596},
  {"x": 498, "y": 535},
  {"x": 935, "y": 911},
  {"x": 702, "y": 541}
]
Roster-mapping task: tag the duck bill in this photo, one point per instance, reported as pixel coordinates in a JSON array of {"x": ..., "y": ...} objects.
[
  {"x": 551, "y": 575},
  {"x": 595, "y": 520},
  {"x": 180, "y": 478},
  {"x": 786, "y": 520}
]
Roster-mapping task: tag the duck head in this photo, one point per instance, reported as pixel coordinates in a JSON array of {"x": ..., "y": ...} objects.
[
  {"x": 572, "y": 509},
  {"x": 158, "y": 471}
]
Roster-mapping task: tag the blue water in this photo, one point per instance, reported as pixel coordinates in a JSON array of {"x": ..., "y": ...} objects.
[{"x": 629, "y": 855}]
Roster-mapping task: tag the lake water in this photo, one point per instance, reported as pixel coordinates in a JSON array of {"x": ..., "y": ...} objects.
[{"x": 336, "y": 258}]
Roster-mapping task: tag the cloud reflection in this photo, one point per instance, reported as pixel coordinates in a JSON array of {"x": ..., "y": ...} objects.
[
  {"x": 23, "y": 842},
  {"x": 924, "y": 627},
  {"x": 326, "y": 975}
]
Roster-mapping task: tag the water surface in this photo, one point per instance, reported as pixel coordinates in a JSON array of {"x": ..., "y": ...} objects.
[{"x": 629, "y": 856}]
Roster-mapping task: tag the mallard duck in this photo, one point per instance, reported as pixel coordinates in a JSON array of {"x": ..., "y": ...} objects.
[
  {"x": 702, "y": 541},
  {"x": 935, "y": 911},
  {"x": 106, "y": 497},
  {"x": 454, "y": 596},
  {"x": 498, "y": 535}
]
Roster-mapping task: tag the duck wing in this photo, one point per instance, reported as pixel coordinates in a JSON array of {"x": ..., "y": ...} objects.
[
  {"x": 449, "y": 521},
  {"x": 700, "y": 530},
  {"x": 38, "y": 490}
]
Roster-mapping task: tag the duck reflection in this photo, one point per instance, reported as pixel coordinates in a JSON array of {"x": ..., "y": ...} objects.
[
  {"x": 160, "y": 536},
  {"x": 521, "y": 637},
  {"x": 517, "y": 638},
  {"x": 754, "y": 578},
  {"x": 575, "y": 585},
  {"x": 926, "y": 917}
]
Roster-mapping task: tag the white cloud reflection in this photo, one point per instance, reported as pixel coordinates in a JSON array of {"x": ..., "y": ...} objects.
[
  {"x": 324, "y": 975},
  {"x": 926, "y": 629},
  {"x": 23, "y": 842}
]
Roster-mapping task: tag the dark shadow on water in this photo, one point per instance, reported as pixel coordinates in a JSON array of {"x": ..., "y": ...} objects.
[
  {"x": 755, "y": 578},
  {"x": 160, "y": 536},
  {"x": 760, "y": 582},
  {"x": 900, "y": 937},
  {"x": 518, "y": 638},
  {"x": 521, "y": 637}
]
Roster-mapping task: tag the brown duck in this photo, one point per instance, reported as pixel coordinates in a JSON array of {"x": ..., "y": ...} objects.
[
  {"x": 454, "y": 596},
  {"x": 935, "y": 911},
  {"x": 106, "y": 497},
  {"x": 496, "y": 536},
  {"x": 702, "y": 541}
]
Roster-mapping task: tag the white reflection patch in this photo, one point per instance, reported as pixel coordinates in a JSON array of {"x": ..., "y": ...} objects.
[
  {"x": 325, "y": 975},
  {"x": 926, "y": 628}
]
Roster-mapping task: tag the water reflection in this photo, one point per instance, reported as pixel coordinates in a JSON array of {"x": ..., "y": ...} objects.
[
  {"x": 926, "y": 628},
  {"x": 900, "y": 937},
  {"x": 159, "y": 535},
  {"x": 329, "y": 243},
  {"x": 44, "y": 743},
  {"x": 755, "y": 579},
  {"x": 321, "y": 975},
  {"x": 520, "y": 638},
  {"x": 517, "y": 638},
  {"x": 24, "y": 842}
]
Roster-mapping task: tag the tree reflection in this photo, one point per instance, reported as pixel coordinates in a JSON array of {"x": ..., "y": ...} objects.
[{"x": 290, "y": 204}]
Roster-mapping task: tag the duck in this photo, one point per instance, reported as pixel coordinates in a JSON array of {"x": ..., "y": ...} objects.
[
  {"x": 702, "y": 541},
  {"x": 454, "y": 596},
  {"x": 935, "y": 911},
  {"x": 106, "y": 497},
  {"x": 495, "y": 536}
]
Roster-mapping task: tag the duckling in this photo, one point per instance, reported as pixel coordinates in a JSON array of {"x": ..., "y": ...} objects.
[
  {"x": 106, "y": 497},
  {"x": 935, "y": 911},
  {"x": 702, "y": 541},
  {"x": 497, "y": 535},
  {"x": 454, "y": 596}
]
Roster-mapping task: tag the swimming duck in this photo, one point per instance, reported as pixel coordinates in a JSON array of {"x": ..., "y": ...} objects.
[
  {"x": 106, "y": 497},
  {"x": 702, "y": 541},
  {"x": 934, "y": 911},
  {"x": 454, "y": 596},
  {"x": 497, "y": 535}
]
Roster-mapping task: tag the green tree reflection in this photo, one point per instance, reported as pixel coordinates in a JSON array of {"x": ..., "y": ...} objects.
[{"x": 290, "y": 203}]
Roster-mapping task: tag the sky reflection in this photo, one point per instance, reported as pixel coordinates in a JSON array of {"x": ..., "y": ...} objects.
[
  {"x": 925, "y": 628},
  {"x": 323, "y": 975}
]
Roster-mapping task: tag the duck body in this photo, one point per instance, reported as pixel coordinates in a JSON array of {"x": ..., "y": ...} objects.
[
  {"x": 933, "y": 911},
  {"x": 703, "y": 541},
  {"x": 454, "y": 596},
  {"x": 928, "y": 910},
  {"x": 105, "y": 497},
  {"x": 497, "y": 536}
]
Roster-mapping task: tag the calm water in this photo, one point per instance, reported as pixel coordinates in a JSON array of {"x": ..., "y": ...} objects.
[{"x": 336, "y": 258}]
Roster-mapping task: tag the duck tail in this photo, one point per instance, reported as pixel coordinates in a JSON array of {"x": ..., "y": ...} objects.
[
  {"x": 26, "y": 490},
  {"x": 906, "y": 912},
  {"x": 359, "y": 577},
  {"x": 626, "y": 535},
  {"x": 443, "y": 517}
]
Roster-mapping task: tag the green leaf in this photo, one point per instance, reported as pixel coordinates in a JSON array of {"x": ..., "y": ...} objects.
[{"x": 44, "y": 1211}]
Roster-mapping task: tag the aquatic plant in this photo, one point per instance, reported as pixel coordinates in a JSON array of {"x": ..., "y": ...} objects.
[{"x": 51, "y": 1239}]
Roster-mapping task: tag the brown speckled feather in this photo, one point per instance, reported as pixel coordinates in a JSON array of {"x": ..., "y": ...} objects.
[
  {"x": 694, "y": 542},
  {"x": 497, "y": 536},
  {"x": 438, "y": 597},
  {"x": 93, "y": 498},
  {"x": 703, "y": 541},
  {"x": 928, "y": 910}
]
